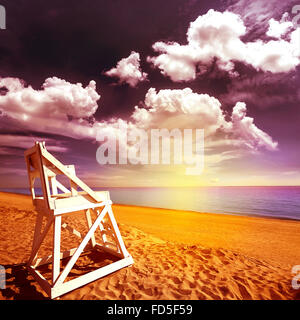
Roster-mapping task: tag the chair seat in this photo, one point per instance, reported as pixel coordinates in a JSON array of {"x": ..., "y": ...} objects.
[{"x": 67, "y": 201}]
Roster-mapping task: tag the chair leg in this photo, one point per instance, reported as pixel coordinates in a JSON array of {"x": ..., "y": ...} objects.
[
  {"x": 116, "y": 230},
  {"x": 56, "y": 248},
  {"x": 37, "y": 234},
  {"x": 39, "y": 237},
  {"x": 89, "y": 223}
]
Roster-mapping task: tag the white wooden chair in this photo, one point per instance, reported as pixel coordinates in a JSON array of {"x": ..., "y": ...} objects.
[{"x": 53, "y": 205}]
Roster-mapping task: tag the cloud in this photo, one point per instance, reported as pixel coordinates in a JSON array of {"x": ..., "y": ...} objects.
[
  {"x": 257, "y": 13},
  {"x": 278, "y": 28},
  {"x": 128, "y": 70},
  {"x": 244, "y": 128},
  {"x": 10, "y": 142},
  {"x": 57, "y": 97},
  {"x": 183, "y": 108},
  {"x": 216, "y": 37},
  {"x": 58, "y": 108},
  {"x": 264, "y": 90},
  {"x": 179, "y": 108}
]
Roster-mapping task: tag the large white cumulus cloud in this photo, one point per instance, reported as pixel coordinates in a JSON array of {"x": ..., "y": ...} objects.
[
  {"x": 183, "y": 108},
  {"x": 180, "y": 108},
  {"x": 217, "y": 35},
  {"x": 57, "y": 98},
  {"x": 59, "y": 107}
]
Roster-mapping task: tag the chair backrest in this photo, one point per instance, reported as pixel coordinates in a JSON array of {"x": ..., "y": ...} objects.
[
  {"x": 36, "y": 170},
  {"x": 43, "y": 165}
]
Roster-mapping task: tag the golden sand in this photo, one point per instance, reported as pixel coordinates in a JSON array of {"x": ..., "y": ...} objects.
[{"x": 177, "y": 254}]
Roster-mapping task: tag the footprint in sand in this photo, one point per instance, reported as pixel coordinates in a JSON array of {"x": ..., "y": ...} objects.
[
  {"x": 148, "y": 291},
  {"x": 224, "y": 291},
  {"x": 185, "y": 292},
  {"x": 206, "y": 251},
  {"x": 275, "y": 295},
  {"x": 244, "y": 291},
  {"x": 176, "y": 280},
  {"x": 209, "y": 293},
  {"x": 191, "y": 284},
  {"x": 194, "y": 255},
  {"x": 166, "y": 266}
]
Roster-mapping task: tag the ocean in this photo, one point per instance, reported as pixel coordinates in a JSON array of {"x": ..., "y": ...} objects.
[{"x": 277, "y": 202}]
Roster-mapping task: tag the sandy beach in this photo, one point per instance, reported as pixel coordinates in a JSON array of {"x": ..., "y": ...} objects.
[{"x": 177, "y": 254}]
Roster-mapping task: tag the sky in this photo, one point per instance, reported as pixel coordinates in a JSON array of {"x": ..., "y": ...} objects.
[{"x": 71, "y": 70}]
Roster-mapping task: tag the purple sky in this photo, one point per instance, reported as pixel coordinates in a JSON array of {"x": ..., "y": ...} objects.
[{"x": 68, "y": 69}]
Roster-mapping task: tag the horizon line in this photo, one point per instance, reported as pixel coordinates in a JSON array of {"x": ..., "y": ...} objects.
[{"x": 208, "y": 186}]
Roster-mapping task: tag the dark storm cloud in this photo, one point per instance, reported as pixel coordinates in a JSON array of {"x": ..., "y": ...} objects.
[{"x": 264, "y": 90}]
